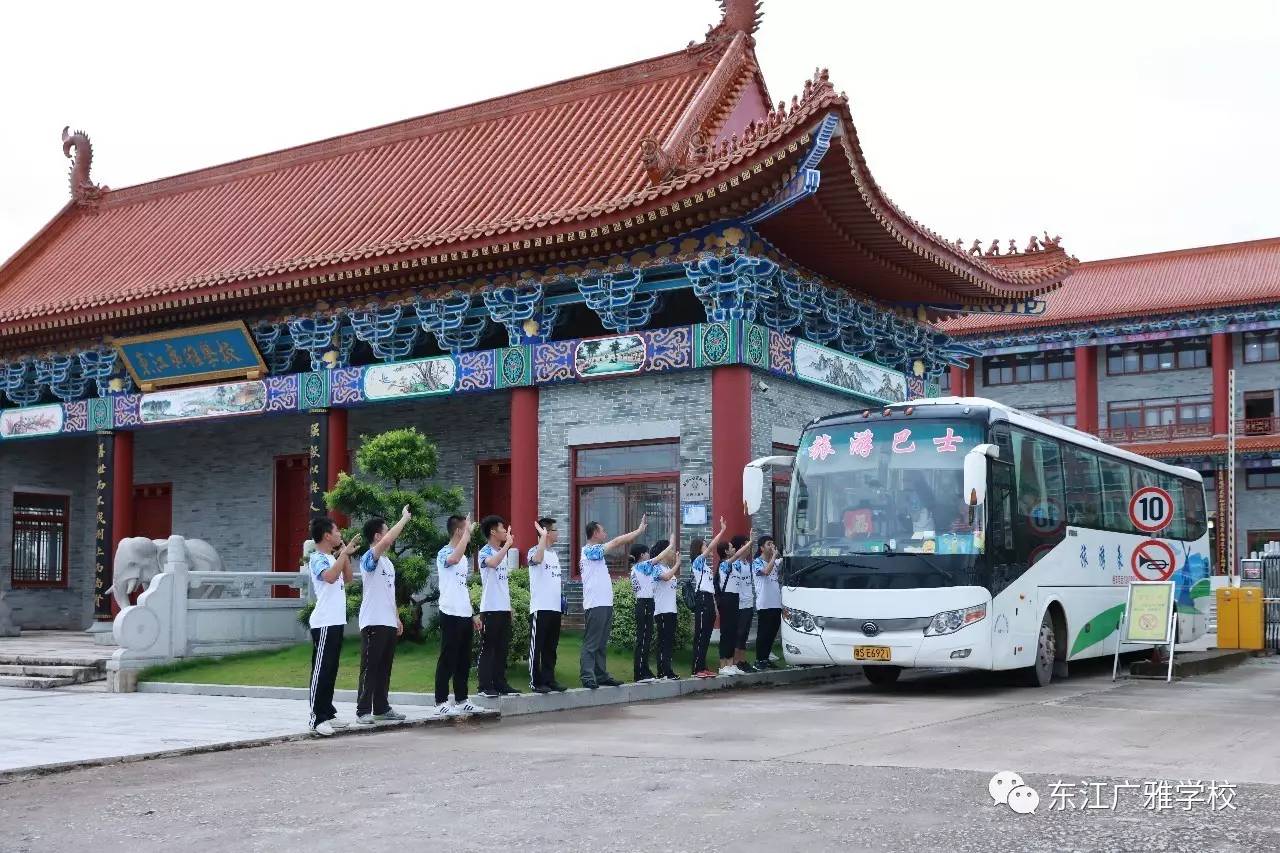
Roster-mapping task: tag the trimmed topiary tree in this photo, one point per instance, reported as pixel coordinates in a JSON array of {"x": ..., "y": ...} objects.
[
  {"x": 622, "y": 634},
  {"x": 395, "y": 469}
]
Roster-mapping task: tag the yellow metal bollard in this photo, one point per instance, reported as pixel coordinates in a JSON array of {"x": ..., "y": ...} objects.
[
  {"x": 1250, "y": 615},
  {"x": 1229, "y": 618}
]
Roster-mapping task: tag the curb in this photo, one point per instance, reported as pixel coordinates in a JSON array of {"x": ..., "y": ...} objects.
[
  {"x": 529, "y": 703},
  {"x": 19, "y": 774}
]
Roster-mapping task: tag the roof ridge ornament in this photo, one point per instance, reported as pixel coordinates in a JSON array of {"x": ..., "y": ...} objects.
[
  {"x": 84, "y": 191},
  {"x": 736, "y": 16}
]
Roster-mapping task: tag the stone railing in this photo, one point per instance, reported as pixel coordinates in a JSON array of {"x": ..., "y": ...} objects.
[{"x": 185, "y": 614}]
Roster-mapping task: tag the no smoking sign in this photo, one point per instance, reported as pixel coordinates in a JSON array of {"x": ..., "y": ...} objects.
[
  {"x": 1152, "y": 560},
  {"x": 1151, "y": 509}
]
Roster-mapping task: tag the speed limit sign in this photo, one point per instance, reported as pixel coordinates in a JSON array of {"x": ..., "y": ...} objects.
[{"x": 1151, "y": 509}]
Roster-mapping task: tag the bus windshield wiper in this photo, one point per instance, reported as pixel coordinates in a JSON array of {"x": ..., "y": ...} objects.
[
  {"x": 822, "y": 564},
  {"x": 924, "y": 559}
]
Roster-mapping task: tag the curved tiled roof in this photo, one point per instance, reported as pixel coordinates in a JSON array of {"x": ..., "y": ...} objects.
[
  {"x": 486, "y": 177},
  {"x": 1146, "y": 285}
]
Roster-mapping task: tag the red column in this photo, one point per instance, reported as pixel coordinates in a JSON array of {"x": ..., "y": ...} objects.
[
  {"x": 1087, "y": 388},
  {"x": 957, "y": 381},
  {"x": 1220, "y": 353},
  {"x": 524, "y": 466},
  {"x": 336, "y": 455},
  {"x": 122, "y": 489},
  {"x": 730, "y": 444}
]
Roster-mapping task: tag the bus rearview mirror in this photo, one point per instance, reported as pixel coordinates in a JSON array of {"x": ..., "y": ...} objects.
[
  {"x": 975, "y": 473},
  {"x": 752, "y": 488}
]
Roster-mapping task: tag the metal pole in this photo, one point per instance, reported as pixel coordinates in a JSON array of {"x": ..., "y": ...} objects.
[
  {"x": 1115, "y": 661},
  {"x": 1231, "y": 477},
  {"x": 1173, "y": 635}
]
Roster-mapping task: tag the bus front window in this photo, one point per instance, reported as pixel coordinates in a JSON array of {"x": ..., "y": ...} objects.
[{"x": 884, "y": 486}]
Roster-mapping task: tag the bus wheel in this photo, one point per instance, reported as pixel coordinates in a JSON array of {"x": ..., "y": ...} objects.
[
  {"x": 882, "y": 676},
  {"x": 1041, "y": 673}
]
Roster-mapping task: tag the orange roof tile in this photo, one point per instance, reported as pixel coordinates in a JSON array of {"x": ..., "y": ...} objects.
[
  {"x": 554, "y": 159},
  {"x": 1147, "y": 285},
  {"x": 1205, "y": 446}
]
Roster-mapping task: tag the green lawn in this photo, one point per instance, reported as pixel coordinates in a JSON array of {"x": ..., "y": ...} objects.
[{"x": 414, "y": 669}]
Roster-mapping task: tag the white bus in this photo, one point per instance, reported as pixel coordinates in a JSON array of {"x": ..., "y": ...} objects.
[{"x": 961, "y": 533}]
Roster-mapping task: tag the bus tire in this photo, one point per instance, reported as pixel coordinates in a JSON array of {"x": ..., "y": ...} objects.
[
  {"x": 1041, "y": 673},
  {"x": 882, "y": 676}
]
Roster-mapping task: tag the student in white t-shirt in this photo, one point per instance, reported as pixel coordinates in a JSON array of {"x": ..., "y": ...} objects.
[
  {"x": 664, "y": 606},
  {"x": 456, "y": 622},
  {"x": 545, "y": 608},
  {"x": 597, "y": 602},
  {"x": 746, "y": 601},
  {"x": 704, "y": 599},
  {"x": 768, "y": 601},
  {"x": 730, "y": 587},
  {"x": 495, "y": 608},
  {"x": 330, "y": 566},
  {"x": 380, "y": 623},
  {"x": 644, "y": 575}
]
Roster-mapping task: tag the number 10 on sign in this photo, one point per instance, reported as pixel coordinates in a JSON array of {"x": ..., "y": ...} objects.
[{"x": 1151, "y": 509}]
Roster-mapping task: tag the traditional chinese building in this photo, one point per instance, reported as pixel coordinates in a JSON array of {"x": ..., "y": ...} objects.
[
  {"x": 586, "y": 293},
  {"x": 1139, "y": 350}
]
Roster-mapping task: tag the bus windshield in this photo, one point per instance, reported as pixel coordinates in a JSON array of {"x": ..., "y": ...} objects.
[{"x": 884, "y": 487}]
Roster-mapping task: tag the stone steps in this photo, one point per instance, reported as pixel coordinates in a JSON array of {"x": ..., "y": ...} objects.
[
  {"x": 39, "y": 672},
  {"x": 34, "y": 682}
]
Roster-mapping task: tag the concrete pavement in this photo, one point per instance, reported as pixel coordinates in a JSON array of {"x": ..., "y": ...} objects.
[{"x": 827, "y": 767}]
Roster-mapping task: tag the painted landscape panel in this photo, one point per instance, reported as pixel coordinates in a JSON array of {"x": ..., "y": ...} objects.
[
  {"x": 421, "y": 378},
  {"x": 30, "y": 422},
  {"x": 846, "y": 373},
  {"x": 605, "y": 356},
  {"x": 207, "y": 401}
]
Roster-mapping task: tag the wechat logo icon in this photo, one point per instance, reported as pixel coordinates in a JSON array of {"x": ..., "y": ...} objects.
[{"x": 1008, "y": 789}]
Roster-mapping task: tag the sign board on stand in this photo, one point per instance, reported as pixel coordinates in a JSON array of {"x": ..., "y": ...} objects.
[{"x": 1148, "y": 618}]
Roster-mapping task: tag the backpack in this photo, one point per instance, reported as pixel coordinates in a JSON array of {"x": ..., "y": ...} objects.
[{"x": 689, "y": 592}]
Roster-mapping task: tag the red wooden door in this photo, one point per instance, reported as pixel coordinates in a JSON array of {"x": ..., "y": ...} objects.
[
  {"x": 290, "y": 521},
  {"x": 153, "y": 510},
  {"x": 493, "y": 489}
]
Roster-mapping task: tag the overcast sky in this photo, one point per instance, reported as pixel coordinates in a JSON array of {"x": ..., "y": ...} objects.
[{"x": 1127, "y": 127}]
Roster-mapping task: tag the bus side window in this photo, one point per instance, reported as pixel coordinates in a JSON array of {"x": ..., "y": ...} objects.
[
  {"x": 1083, "y": 487},
  {"x": 1177, "y": 528},
  {"x": 1194, "y": 510},
  {"x": 1040, "y": 520},
  {"x": 1115, "y": 495},
  {"x": 1001, "y": 553}
]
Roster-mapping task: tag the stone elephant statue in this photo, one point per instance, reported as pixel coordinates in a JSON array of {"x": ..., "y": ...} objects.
[{"x": 139, "y": 559}]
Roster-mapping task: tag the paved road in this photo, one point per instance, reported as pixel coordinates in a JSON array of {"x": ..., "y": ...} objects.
[{"x": 837, "y": 767}]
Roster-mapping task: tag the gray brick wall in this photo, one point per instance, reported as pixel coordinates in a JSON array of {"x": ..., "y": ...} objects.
[
  {"x": 682, "y": 397},
  {"x": 62, "y": 465},
  {"x": 465, "y": 429},
  {"x": 787, "y": 404},
  {"x": 1031, "y": 396},
  {"x": 1263, "y": 376},
  {"x": 223, "y": 478}
]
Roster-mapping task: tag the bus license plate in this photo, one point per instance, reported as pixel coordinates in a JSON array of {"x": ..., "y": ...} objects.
[{"x": 871, "y": 653}]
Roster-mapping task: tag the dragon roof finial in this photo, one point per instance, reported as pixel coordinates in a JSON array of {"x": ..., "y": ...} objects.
[
  {"x": 83, "y": 190},
  {"x": 736, "y": 16}
]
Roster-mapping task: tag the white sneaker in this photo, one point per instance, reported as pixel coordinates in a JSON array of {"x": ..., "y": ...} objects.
[
  {"x": 324, "y": 729},
  {"x": 467, "y": 709},
  {"x": 730, "y": 670},
  {"x": 365, "y": 720},
  {"x": 444, "y": 709},
  {"x": 339, "y": 723},
  {"x": 646, "y": 681}
]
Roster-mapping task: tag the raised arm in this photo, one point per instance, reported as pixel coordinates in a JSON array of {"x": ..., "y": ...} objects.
[
  {"x": 540, "y": 552},
  {"x": 461, "y": 537},
  {"x": 745, "y": 549},
  {"x": 770, "y": 556},
  {"x": 500, "y": 556},
  {"x": 710, "y": 547},
  {"x": 628, "y": 538},
  {"x": 665, "y": 554},
  {"x": 673, "y": 569},
  {"x": 342, "y": 565},
  {"x": 384, "y": 544}
]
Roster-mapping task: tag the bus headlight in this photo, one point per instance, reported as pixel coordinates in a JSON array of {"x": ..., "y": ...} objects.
[
  {"x": 950, "y": 621},
  {"x": 800, "y": 620}
]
